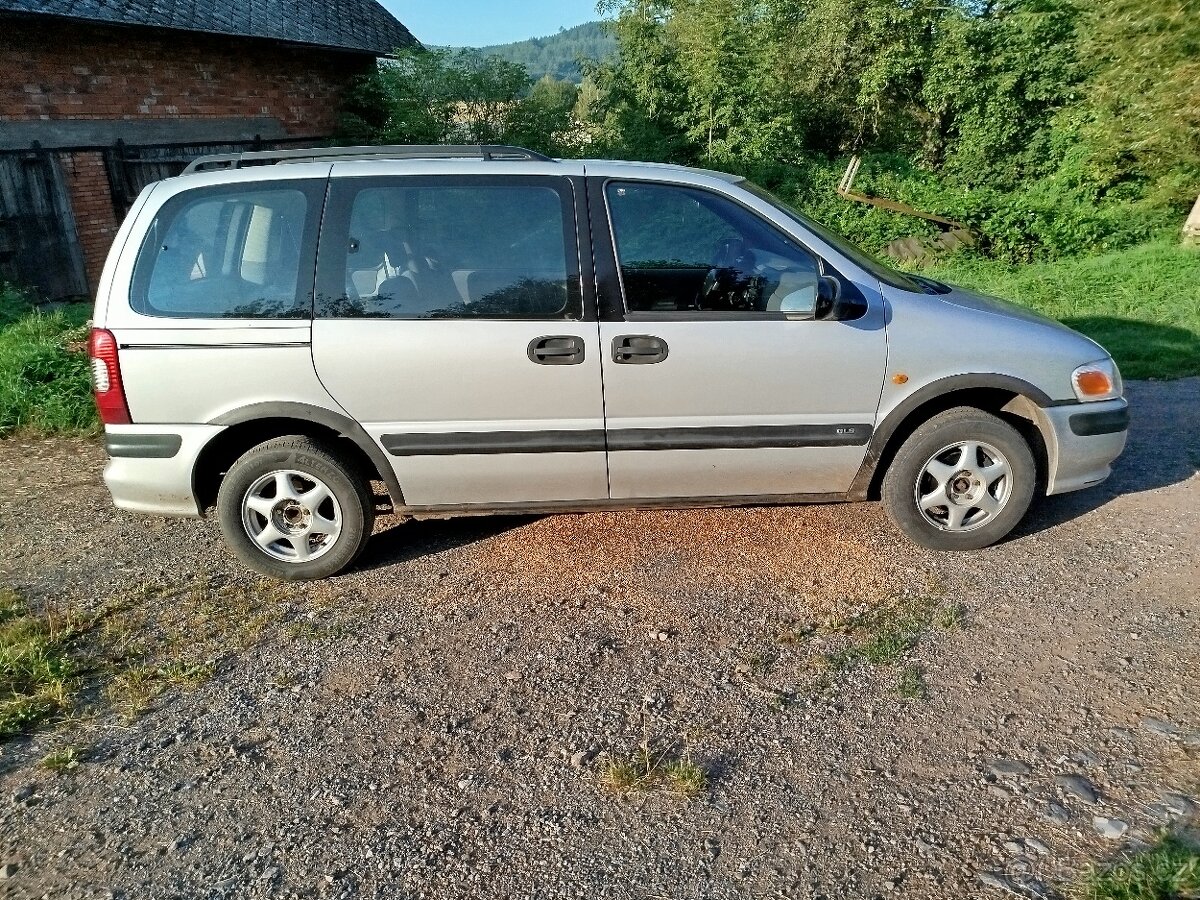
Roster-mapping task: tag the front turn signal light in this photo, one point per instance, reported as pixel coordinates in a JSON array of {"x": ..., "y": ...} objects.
[{"x": 1097, "y": 381}]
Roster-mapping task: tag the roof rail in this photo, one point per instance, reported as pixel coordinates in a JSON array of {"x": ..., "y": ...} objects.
[{"x": 399, "y": 151}]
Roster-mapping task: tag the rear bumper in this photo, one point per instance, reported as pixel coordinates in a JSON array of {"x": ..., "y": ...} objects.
[
  {"x": 150, "y": 467},
  {"x": 1082, "y": 441}
]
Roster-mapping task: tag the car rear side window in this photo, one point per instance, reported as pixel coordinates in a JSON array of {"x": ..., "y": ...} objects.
[
  {"x": 229, "y": 253},
  {"x": 450, "y": 247}
]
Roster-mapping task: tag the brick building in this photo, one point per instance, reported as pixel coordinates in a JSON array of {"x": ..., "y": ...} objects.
[{"x": 100, "y": 97}]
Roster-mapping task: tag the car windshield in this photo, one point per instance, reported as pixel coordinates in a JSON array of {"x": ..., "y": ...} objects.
[{"x": 883, "y": 272}]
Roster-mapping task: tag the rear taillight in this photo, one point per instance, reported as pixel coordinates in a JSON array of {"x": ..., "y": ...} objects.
[{"x": 106, "y": 378}]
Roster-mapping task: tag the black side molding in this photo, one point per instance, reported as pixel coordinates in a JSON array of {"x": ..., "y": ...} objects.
[
  {"x": 748, "y": 437},
  {"x": 463, "y": 442},
  {"x": 1109, "y": 421},
  {"x": 142, "y": 446},
  {"x": 745, "y": 437}
]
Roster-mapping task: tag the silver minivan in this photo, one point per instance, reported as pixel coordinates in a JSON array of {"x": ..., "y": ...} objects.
[{"x": 303, "y": 339}]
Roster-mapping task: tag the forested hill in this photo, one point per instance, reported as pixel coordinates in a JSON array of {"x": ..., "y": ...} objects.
[{"x": 558, "y": 55}]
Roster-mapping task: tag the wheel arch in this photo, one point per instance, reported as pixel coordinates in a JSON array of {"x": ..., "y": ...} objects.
[
  {"x": 1016, "y": 401},
  {"x": 250, "y": 426}
]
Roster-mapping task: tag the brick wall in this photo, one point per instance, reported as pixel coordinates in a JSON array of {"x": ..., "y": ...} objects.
[
  {"x": 70, "y": 70},
  {"x": 56, "y": 70},
  {"x": 91, "y": 202}
]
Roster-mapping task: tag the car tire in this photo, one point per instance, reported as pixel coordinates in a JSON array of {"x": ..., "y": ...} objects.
[
  {"x": 961, "y": 481},
  {"x": 292, "y": 509}
]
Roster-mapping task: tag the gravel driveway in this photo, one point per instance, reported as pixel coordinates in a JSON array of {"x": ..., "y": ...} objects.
[{"x": 439, "y": 722}]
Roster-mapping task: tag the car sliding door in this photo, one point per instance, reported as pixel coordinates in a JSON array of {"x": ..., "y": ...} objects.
[{"x": 450, "y": 323}]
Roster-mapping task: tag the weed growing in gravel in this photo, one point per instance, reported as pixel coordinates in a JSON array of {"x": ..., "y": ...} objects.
[
  {"x": 647, "y": 771},
  {"x": 133, "y": 648},
  {"x": 1168, "y": 871},
  {"x": 884, "y": 635},
  {"x": 912, "y": 685},
  {"x": 37, "y": 668},
  {"x": 60, "y": 761},
  {"x": 172, "y": 636}
]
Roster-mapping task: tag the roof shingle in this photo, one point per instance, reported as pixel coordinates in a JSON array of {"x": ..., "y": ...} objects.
[{"x": 358, "y": 25}]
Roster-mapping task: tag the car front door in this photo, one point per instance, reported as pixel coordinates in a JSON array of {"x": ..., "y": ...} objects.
[
  {"x": 450, "y": 323},
  {"x": 718, "y": 381}
]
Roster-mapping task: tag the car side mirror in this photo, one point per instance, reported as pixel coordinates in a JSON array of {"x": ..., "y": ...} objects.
[{"x": 834, "y": 304}]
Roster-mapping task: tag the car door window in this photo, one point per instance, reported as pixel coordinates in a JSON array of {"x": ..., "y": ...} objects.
[
  {"x": 419, "y": 248},
  {"x": 682, "y": 249}
]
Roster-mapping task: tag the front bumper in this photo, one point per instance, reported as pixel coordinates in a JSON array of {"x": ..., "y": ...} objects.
[
  {"x": 150, "y": 467},
  {"x": 1082, "y": 441}
]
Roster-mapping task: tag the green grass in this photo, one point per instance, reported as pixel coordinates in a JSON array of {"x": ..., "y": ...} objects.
[
  {"x": 45, "y": 383},
  {"x": 37, "y": 667},
  {"x": 61, "y": 761},
  {"x": 1168, "y": 871},
  {"x": 1141, "y": 304},
  {"x": 646, "y": 771},
  {"x": 911, "y": 685}
]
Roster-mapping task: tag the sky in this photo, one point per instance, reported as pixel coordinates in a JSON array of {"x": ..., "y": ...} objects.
[{"x": 478, "y": 23}]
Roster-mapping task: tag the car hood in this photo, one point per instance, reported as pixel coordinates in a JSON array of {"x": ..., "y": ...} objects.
[{"x": 985, "y": 303}]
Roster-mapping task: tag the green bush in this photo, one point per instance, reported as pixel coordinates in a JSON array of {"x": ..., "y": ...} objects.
[{"x": 45, "y": 379}]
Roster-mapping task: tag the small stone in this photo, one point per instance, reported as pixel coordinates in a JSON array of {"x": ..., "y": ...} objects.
[
  {"x": 711, "y": 848},
  {"x": 8, "y": 870},
  {"x": 1009, "y": 768},
  {"x": 1014, "y": 847},
  {"x": 512, "y": 676},
  {"x": 23, "y": 793},
  {"x": 1078, "y": 787},
  {"x": 1120, "y": 733},
  {"x": 1161, "y": 728},
  {"x": 578, "y": 759},
  {"x": 1113, "y": 829},
  {"x": 1179, "y": 805},
  {"x": 999, "y": 882},
  {"x": 1037, "y": 846},
  {"x": 1056, "y": 812},
  {"x": 998, "y": 792}
]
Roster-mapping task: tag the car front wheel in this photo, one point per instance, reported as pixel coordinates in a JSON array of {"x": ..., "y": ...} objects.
[
  {"x": 962, "y": 481},
  {"x": 292, "y": 510}
]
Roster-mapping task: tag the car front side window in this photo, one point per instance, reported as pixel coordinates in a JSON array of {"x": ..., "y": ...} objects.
[{"x": 686, "y": 250}]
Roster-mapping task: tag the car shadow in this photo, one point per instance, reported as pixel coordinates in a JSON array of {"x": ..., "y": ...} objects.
[
  {"x": 410, "y": 540},
  {"x": 1163, "y": 449}
]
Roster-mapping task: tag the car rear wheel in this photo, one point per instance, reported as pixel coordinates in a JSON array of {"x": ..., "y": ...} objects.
[
  {"x": 292, "y": 510},
  {"x": 962, "y": 481}
]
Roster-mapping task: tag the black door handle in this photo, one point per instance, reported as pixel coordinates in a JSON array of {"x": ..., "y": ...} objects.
[
  {"x": 557, "y": 350},
  {"x": 639, "y": 349}
]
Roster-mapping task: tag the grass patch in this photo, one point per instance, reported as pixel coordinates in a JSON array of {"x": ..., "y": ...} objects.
[
  {"x": 911, "y": 685},
  {"x": 130, "y": 650},
  {"x": 883, "y": 636},
  {"x": 61, "y": 761},
  {"x": 37, "y": 665},
  {"x": 647, "y": 771},
  {"x": 1141, "y": 304},
  {"x": 1168, "y": 871},
  {"x": 45, "y": 379}
]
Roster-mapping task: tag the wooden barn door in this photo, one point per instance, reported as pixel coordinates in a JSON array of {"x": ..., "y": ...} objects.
[{"x": 38, "y": 247}]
